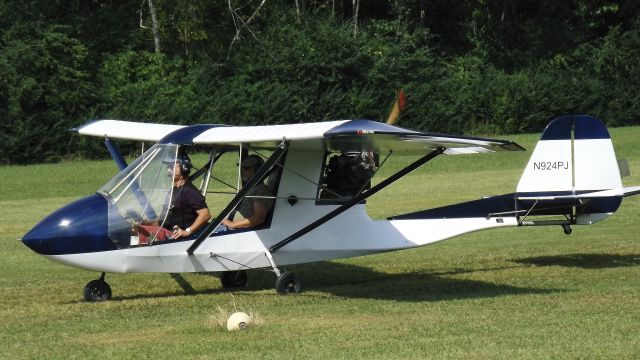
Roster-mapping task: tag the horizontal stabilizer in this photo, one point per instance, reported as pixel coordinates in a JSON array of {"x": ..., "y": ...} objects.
[
  {"x": 630, "y": 191},
  {"x": 624, "y": 192},
  {"x": 623, "y": 165}
]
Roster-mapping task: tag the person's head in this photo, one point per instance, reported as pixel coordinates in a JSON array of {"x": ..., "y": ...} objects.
[
  {"x": 250, "y": 166},
  {"x": 181, "y": 167}
]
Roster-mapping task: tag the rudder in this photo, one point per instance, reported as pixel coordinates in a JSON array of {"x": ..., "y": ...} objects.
[{"x": 574, "y": 155}]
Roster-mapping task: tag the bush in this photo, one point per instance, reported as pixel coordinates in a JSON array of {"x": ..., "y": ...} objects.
[
  {"x": 45, "y": 90},
  {"x": 284, "y": 71}
]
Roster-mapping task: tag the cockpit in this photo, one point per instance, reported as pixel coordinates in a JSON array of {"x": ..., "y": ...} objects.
[{"x": 143, "y": 192}]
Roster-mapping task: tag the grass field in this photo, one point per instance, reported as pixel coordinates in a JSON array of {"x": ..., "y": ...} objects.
[{"x": 523, "y": 292}]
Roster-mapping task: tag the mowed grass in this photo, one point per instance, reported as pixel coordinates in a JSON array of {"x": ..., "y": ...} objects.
[{"x": 520, "y": 292}]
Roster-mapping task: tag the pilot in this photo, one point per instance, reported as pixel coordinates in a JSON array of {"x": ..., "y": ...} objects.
[
  {"x": 253, "y": 209},
  {"x": 186, "y": 211}
]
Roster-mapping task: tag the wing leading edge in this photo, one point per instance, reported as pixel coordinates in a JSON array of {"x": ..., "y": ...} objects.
[
  {"x": 341, "y": 135},
  {"x": 376, "y": 136},
  {"x": 354, "y": 135},
  {"x": 127, "y": 130}
]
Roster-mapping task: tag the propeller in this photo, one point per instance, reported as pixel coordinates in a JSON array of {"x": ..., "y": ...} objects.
[{"x": 398, "y": 107}]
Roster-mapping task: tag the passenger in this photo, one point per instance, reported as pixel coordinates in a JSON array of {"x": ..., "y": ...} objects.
[
  {"x": 254, "y": 208},
  {"x": 185, "y": 213}
]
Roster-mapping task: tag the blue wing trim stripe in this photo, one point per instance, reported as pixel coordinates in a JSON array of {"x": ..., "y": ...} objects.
[{"x": 187, "y": 134}]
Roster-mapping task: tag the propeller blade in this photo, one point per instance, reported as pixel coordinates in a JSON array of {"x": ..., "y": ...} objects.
[{"x": 398, "y": 107}]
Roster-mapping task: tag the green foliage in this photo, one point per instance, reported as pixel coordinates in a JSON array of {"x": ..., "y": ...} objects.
[
  {"x": 616, "y": 65},
  {"x": 45, "y": 90},
  {"x": 465, "y": 67},
  {"x": 146, "y": 86}
]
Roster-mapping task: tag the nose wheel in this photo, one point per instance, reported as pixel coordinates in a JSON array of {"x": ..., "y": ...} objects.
[{"x": 97, "y": 290}]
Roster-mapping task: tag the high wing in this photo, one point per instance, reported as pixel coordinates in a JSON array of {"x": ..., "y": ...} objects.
[
  {"x": 127, "y": 130},
  {"x": 352, "y": 135},
  {"x": 341, "y": 135}
]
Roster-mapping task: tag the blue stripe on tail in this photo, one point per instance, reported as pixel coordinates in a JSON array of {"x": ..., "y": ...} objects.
[
  {"x": 558, "y": 129},
  {"x": 585, "y": 127},
  {"x": 588, "y": 127}
]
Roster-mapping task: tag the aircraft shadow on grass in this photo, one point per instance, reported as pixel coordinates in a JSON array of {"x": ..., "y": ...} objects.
[
  {"x": 351, "y": 281},
  {"x": 585, "y": 261}
]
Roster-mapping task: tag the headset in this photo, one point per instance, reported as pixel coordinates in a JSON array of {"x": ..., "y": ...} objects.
[
  {"x": 259, "y": 162},
  {"x": 185, "y": 164}
]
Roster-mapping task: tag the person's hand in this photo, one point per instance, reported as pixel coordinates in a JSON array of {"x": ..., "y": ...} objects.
[
  {"x": 178, "y": 233},
  {"x": 228, "y": 223}
]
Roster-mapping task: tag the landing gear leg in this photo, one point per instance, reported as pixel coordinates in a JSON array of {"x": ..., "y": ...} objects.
[
  {"x": 287, "y": 282},
  {"x": 97, "y": 290}
]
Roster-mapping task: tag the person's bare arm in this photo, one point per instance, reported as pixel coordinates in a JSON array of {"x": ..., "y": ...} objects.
[
  {"x": 259, "y": 215},
  {"x": 203, "y": 216}
]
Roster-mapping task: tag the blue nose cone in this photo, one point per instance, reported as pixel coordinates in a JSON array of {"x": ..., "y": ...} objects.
[{"x": 79, "y": 227}]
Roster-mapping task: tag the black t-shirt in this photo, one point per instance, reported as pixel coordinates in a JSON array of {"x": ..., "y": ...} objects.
[{"x": 186, "y": 200}]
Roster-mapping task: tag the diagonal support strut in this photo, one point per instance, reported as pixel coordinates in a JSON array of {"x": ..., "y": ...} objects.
[
  {"x": 242, "y": 193},
  {"x": 357, "y": 199}
]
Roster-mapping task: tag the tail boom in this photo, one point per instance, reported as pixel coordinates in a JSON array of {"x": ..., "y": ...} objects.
[{"x": 572, "y": 178}]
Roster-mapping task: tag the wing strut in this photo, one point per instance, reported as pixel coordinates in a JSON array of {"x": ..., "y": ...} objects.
[
  {"x": 115, "y": 153},
  {"x": 117, "y": 156},
  {"x": 259, "y": 176},
  {"x": 357, "y": 199}
]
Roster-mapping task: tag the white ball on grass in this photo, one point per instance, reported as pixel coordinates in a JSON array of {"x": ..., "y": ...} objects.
[{"x": 239, "y": 321}]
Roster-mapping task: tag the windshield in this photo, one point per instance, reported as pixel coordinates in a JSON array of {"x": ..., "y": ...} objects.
[
  {"x": 140, "y": 192},
  {"x": 142, "y": 198}
]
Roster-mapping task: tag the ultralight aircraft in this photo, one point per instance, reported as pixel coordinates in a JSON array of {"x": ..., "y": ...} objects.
[{"x": 319, "y": 177}]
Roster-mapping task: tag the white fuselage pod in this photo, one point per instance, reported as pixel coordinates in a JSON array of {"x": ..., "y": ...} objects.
[{"x": 352, "y": 233}]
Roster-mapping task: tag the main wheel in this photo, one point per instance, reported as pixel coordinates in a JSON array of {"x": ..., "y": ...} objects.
[
  {"x": 289, "y": 283},
  {"x": 96, "y": 291},
  {"x": 233, "y": 279}
]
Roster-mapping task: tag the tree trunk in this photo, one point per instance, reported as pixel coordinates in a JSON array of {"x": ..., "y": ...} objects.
[
  {"x": 356, "y": 8},
  {"x": 155, "y": 28},
  {"x": 298, "y": 12},
  {"x": 240, "y": 24}
]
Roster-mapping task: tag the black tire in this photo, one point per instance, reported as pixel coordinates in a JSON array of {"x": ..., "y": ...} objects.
[
  {"x": 97, "y": 291},
  {"x": 289, "y": 283},
  {"x": 233, "y": 279}
]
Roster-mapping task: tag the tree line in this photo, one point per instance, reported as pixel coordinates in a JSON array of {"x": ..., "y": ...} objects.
[{"x": 488, "y": 67}]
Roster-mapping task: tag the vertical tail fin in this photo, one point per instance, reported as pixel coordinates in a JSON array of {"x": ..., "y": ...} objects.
[
  {"x": 574, "y": 167},
  {"x": 574, "y": 155}
]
